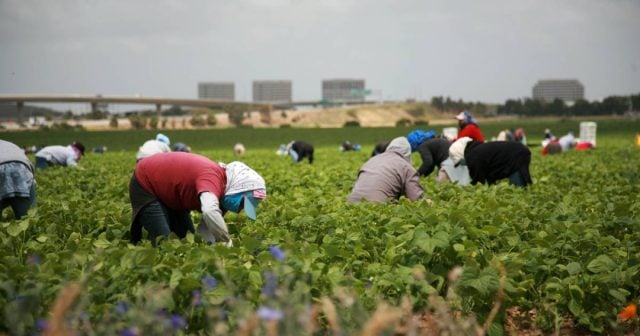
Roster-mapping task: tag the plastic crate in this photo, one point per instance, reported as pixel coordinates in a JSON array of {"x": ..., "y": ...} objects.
[
  {"x": 450, "y": 133},
  {"x": 588, "y": 132}
]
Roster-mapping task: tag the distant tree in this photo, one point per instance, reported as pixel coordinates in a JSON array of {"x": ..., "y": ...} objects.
[
  {"x": 96, "y": 115},
  {"x": 113, "y": 122},
  {"x": 581, "y": 108},
  {"x": 137, "y": 121},
  {"x": 404, "y": 122},
  {"x": 438, "y": 103},
  {"x": 153, "y": 122},
  {"x": 197, "y": 120},
  {"x": 236, "y": 114},
  {"x": 67, "y": 115},
  {"x": 556, "y": 107},
  {"x": 479, "y": 108},
  {"x": 174, "y": 111},
  {"x": 211, "y": 119},
  {"x": 614, "y": 105},
  {"x": 164, "y": 122},
  {"x": 417, "y": 111}
]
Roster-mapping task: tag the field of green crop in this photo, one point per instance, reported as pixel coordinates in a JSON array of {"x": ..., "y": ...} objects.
[{"x": 567, "y": 247}]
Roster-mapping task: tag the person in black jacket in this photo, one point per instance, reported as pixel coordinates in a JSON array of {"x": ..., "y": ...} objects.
[
  {"x": 433, "y": 151},
  {"x": 298, "y": 150},
  {"x": 493, "y": 161},
  {"x": 380, "y": 147}
]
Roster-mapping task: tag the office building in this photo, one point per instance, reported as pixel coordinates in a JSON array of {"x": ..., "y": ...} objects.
[
  {"x": 217, "y": 90},
  {"x": 343, "y": 90},
  {"x": 568, "y": 90},
  {"x": 272, "y": 91}
]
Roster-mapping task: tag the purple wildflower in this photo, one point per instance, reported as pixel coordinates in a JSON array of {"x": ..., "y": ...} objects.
[
  {"x": 196, "y": 298},
  {"x": 130, "y": 332},
  {"x": 269, "y": 314},
  {"x": 270, "y": 284},
  {"x": 42, "y": 325},
  {"x": 34, "y": 259},
  {"x": 276, "y": 252},
  {"x": 209, "y": 282},
  {"x": 121, "y": 307},
  {"x": 178, "y": 322}
]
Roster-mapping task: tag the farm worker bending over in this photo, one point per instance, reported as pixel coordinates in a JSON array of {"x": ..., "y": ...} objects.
[
  {"x": 563, "y": 144},
  {"x": 380, "y": 147},
  {"x": 433, "y": 151},
  {"x": 181, "y": 147},
  {"x": 154, "y": 146},
  {"x": 388, "y": 176},
  {"x": 298, "y": 150},
  {"x": 493, "y": 161},
  {"x": 59, "y": 155},
  {"x": 468, "y": 127},
  {"x": 165, "y": 187},
  {"x": 17, "y": 182}
]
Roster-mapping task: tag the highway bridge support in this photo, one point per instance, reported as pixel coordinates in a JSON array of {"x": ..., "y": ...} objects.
[{"x": 19, "y": 107}]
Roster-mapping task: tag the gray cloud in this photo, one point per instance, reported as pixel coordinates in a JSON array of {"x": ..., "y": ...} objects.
[{"x": 475, "y": 50}]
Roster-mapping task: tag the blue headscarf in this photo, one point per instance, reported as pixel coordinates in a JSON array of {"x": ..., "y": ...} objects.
[
  {"x": 417, "y": 137},
  {"x": 163, "y": 138},
  {"x": 466, "y": 118}
]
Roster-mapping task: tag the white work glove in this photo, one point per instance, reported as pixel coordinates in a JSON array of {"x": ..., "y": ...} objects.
[{"x": 212, "y": 227}]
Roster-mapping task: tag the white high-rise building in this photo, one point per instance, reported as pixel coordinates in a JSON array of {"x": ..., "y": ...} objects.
[
  {"x": 217, "y": 90},
  {"x": 272, "y": 91},
  {"x": 343, "y": 90},
  {"x": 568, "y": 90}
]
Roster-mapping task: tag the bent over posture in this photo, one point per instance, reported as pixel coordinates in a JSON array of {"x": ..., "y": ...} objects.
[
  {"x": 165, "y": 187},
  {"x": 493, "y": 161},
  {"x": 17, "y": 182},
  {"x": 298, "y": 150},
  {"x": 433, "y": 151},
  {"x": 388, "y": 176},
  {"x": 59, "y": 155}
]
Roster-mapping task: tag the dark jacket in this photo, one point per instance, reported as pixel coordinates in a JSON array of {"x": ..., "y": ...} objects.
[
  {"x": 380, "y": 148},
  {"x": 433, "y": 152},
  {"x": 493, "y": 161},
  {"x": 303, "y": 149}
]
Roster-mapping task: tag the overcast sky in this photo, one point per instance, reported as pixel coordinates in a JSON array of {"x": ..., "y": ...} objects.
[{"x": 486, "y": 51}]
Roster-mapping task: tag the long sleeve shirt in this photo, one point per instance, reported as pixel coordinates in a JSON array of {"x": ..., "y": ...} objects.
[
  {"x": 432, "y": 152},
  {"x": 472, "y": 131},
  {"x": 385, "y": 177},
  {"x": 212, "y": 227},
  {"x": 59, "y": 155}
]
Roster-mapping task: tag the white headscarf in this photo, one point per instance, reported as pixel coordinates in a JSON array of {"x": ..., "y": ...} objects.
[
  {"x": 242, "y": 178},
  {"x": 400, "y": 145},
  {"x": 456, "y": 150}
]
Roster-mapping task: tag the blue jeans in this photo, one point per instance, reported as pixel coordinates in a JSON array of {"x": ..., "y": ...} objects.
[
  {"x": 516, "y": 179},
  {"x": 20, "y": 205},
  {"x": 41, "y": 163},
  {"x": 159, "y": 220}
]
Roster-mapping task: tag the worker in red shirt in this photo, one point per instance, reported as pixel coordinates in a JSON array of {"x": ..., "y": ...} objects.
[
  {"x": 468, "y": 127},
  {"x": 166, "y": 187}
]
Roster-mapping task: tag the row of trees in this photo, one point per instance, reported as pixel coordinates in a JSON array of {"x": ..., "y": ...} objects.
[
  {"x": 613, "y": 105},
  {"x": 446, "y": 104},
  {"x": 139, "y": 121}
]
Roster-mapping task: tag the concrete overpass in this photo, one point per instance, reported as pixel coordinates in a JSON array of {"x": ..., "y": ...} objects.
[{"x": 20, "y": 100}]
